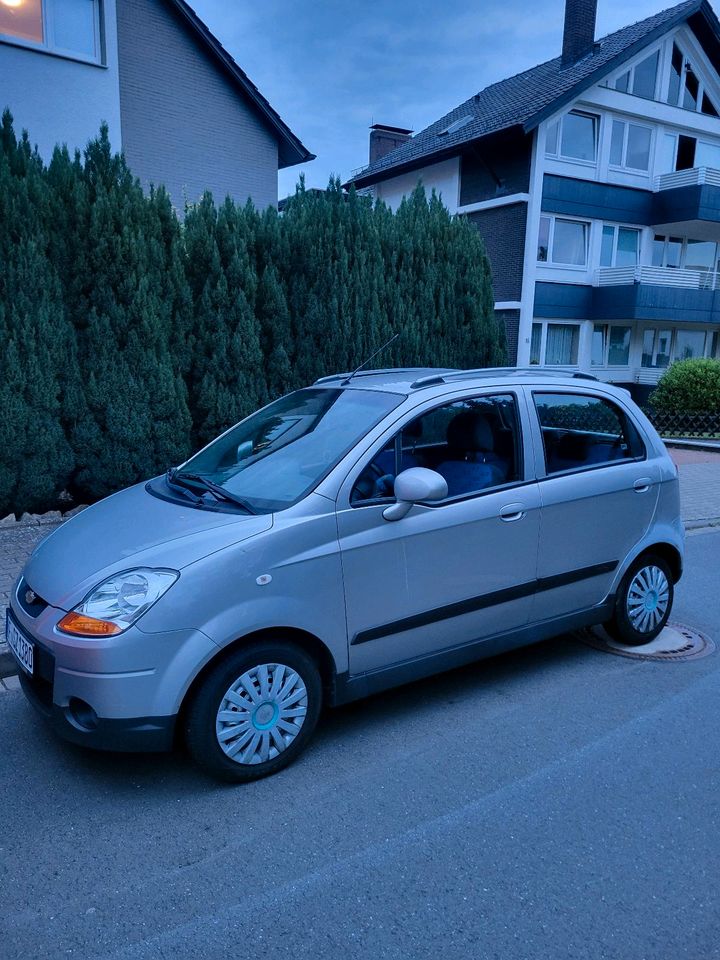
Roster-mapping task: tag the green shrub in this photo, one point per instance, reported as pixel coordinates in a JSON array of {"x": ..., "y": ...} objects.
[
  {"x": 689, "y": 385},
  {"x": 128, "y": 335}
]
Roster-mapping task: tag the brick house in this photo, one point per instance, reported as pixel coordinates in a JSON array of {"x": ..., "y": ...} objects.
[
  {"x": 177, "y": 104},
  {"x": 594, "y": 179}
]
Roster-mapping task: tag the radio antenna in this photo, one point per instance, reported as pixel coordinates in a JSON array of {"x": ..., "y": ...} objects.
[{"x": 366, "y": 362}]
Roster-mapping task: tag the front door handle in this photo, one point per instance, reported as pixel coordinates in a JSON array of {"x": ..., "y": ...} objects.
[
  {"x": 512, "y": 511},
  {"x": 642, "y": 484}
]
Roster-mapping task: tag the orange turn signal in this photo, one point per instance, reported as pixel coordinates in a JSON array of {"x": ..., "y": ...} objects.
[{"x": 82, "y": 626}]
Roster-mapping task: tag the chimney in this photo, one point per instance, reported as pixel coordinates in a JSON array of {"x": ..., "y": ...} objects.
[
  {"x": 383, "y": 139},
  {"x": 579, "y": 32}
]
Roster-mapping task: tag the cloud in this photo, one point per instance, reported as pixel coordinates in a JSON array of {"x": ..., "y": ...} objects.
[{"x": 331, "y": 69}]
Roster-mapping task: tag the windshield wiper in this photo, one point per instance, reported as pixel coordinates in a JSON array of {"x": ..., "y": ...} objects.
[
  {"x": 220, "y": 493},
  {"x": 186, "y": 491}
]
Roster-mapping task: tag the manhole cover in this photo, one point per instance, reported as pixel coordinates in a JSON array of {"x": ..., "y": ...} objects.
[{"x": 675, "y": 642}]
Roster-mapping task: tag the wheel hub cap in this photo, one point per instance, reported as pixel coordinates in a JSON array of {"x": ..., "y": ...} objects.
[
  {"x": 647, "y": 599},
  {"x": 261, "y": 713}
]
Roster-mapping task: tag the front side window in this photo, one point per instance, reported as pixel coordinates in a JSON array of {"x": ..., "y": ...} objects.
[
  {"x": 581, "y": 431},
  {"x": 474, "y": 444},
  {"x": 279, "y": 454},
  {"x": 573, "y": 137},
  {"x": 64, "y": 26},
  {"x": 630, "y": 145},
  {"x": 564, "y": 242}
]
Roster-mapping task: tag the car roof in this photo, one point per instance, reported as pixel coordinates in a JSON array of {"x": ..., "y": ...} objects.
[{"x": 407, "y": 380}]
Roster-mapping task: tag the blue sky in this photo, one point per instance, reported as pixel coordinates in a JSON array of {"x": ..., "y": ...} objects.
[{"x": 331, "y": 69}]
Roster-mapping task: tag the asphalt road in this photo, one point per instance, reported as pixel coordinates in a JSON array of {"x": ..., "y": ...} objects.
[{"x": 557, "y": 802}]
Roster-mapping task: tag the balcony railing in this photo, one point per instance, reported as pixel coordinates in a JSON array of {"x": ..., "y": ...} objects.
[
  {"x": 687, "y": 178},
  {"x": 657, "y": 276}
]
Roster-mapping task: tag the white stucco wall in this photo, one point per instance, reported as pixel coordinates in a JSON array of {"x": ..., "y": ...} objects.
[
  {"x": 60, "y": 100},
  {"x": 443, "y": 177}
]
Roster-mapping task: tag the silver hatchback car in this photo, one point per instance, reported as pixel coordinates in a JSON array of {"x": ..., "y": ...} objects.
[{"x": 367, "y": 531}]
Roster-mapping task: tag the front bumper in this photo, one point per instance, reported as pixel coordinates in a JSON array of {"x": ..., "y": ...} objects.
[{"x": 116, "y": 693}]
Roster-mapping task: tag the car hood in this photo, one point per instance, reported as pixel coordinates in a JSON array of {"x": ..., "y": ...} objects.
[{"x": 130, "y": 529}]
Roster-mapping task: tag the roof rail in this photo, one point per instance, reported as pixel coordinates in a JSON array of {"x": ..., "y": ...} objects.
[
  {"x": 373, "y": 373},
  {"x": 535, "y": 371}
]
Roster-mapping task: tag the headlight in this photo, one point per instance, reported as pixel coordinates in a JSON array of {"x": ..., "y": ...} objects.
[{"x": 116, "y": 603}]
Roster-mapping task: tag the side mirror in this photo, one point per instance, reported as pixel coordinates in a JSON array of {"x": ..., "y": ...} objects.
[{"x": 413, "y": 486}]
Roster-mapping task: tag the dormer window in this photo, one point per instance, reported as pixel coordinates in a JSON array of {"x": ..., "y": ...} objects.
[
  {"x": 573, "y": 137},
  {"x": 66, "y": 27}
]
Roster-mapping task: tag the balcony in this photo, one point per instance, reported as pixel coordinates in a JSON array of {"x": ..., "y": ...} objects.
[
  {"x": 656, "y": 293},
  {"x": 657, "y": 276},
  {"x": 687, "y": 202}
]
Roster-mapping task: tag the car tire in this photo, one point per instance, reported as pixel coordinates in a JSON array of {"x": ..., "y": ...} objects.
[
  {"x": 643, "y": 602},
  {"x": 254, "y": 712}
]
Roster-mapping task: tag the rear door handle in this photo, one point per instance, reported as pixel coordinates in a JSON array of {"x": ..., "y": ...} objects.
[
  {"x": 512, "y": 511},
  {"x": 642, "y": 484}
]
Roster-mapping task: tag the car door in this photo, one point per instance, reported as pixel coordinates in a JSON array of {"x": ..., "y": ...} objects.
[
  {"x": 450, "y": 572},
  {"x": 598, "y": 491}
]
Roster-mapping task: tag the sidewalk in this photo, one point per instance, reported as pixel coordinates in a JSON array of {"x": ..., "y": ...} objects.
[{"x": 699, "y": 503}]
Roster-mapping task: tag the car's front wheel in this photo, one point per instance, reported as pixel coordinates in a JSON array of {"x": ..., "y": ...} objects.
[
  {"x": 643, "y": 603},
  {"x": 254, "y": 712}
]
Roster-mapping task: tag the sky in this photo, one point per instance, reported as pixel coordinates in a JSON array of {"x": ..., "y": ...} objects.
[{"x": 331, "y": 69}]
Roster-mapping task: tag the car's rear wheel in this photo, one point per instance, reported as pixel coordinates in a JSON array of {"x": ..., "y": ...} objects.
[
  {"x": 254, "y": 712},
  {"x": 643, "y": 603}
]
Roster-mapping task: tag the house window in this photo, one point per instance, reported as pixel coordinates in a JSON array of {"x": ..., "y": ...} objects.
[
  {"x": 640, "y": 80},
  {"x": 555, "y": 344},
  {"x": 561, "y": 344},
  {"x": 620, "y": 247},
  {"x": 63, "y": 26},
  {"x": 22, "y": 20},
  {"x": 610, "y": 346},
  {"x": 563, "y": 242},
  {"x": 689, "y": 344},
  {"x": 690, "y": 254},
  {"x": 685, "y": 88},
  {"x": 573, "y": 137},
  {"x": 656, "y": 347},
  {"x": 630, "y": 145}
]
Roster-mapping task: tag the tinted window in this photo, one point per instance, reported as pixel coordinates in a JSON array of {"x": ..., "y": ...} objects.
[
  {"x": 584, "y": 431},
  {"x": 474, "y": 444}
]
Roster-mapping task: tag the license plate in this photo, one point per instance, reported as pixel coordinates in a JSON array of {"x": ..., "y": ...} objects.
[{"x": 23, "y": 649}]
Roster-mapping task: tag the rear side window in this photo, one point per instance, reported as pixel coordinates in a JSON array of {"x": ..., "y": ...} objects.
[{"x": 584, "y": 431}]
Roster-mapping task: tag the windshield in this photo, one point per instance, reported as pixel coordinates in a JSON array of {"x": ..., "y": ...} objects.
[{"x": 279, "y": 454}]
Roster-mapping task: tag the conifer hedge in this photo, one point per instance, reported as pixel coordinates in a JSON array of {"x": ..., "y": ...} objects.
[{"x": 130, "y": 336}]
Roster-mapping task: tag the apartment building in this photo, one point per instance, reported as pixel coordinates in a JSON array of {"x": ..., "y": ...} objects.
[{"x": 594, "y": 179}]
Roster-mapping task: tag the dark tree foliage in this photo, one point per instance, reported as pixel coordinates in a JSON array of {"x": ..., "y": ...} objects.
[
  {"x": 35, "y": 340},
  {"x": 131, "y": 336}
]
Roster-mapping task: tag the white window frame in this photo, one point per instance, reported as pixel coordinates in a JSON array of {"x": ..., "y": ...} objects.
[
  {"x": 616, "y": 228},
  {"x": 687, "y": 60},
  {"x": 557, "y": 155},
  {"x": 631, "y": 71},
  {"x": 551, "y": 242},
  {"x": 623, "y": 165},
  {"x": 49, "y": 45},
  {"x": 544, "y": 324},
  {"x": 607, "y": 327}
]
